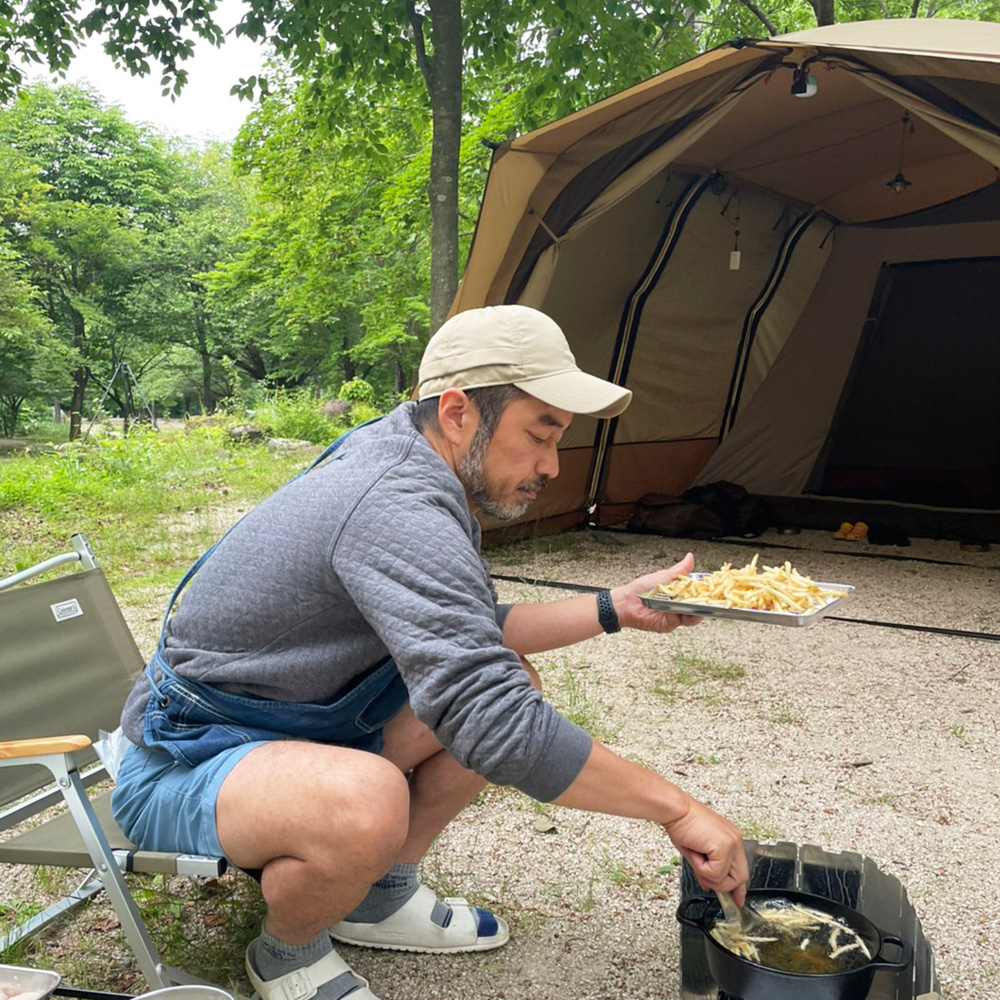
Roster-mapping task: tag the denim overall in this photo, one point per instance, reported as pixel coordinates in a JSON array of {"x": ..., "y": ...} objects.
[{"x": 193, "y": 721}]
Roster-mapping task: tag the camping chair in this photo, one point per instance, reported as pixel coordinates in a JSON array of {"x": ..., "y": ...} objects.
[{"x": 67, "y": 662}]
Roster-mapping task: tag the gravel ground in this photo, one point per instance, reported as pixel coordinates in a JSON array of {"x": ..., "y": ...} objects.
[{"x": 851, "y": 737}]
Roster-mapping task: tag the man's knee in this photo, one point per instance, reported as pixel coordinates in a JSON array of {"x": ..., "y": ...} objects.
[{"x": 321, "y": 803}]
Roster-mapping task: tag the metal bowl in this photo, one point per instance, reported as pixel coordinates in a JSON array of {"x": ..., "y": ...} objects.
[
  {"x": 30, "y": 980},
  {"x": 194, "y": 991}
]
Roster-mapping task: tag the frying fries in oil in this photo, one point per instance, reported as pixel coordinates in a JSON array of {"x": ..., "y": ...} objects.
[{"x": 775, "y": 588}]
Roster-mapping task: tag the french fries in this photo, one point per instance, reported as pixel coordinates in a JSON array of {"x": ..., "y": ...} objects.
[{"x": 775, "y": 588}]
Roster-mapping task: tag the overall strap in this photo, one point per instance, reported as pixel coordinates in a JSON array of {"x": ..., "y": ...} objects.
[{"x": 200, "y": 561}]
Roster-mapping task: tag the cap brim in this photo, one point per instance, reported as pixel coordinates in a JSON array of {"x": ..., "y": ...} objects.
[{"x": 578, "y": 392}]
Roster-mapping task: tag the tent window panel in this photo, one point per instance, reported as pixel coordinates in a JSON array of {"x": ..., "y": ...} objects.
[
  {"x": 684, "y": 350},
  {"x": 919, "y": 418}
]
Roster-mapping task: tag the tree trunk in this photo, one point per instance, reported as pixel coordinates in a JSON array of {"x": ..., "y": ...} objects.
[
  {"x": 824, "y": 12},
  {"x": 128, "y": 403},
  {"x": 446, "y": 113},
  {"x": 80, "y": 378},
  {"x": 350, "y": 369},
  {"x": 10, "y": 410},
  {"x": 207, "y": 395}
]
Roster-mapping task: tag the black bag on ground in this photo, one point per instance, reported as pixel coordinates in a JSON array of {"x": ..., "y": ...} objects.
[{"x": 708, "y": 511}]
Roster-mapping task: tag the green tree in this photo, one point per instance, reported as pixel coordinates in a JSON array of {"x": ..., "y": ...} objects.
[
  {"x": 33, "y": 362},
  {"x": 722, "y": 20},
  {"x": 338, "y": 239},
  {"x": 344, "y": 232},
  {"x": 381, "y": 48},
  {"x": 168, "y": 304},
  {"x": 108, "y": 185}
]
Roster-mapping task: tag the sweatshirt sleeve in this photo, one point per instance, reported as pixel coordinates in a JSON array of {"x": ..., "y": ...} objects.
[{"x": 408, "y": 561}]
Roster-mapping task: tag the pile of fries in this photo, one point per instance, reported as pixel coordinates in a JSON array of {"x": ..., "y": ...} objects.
[{"x": 776, "y": 588}]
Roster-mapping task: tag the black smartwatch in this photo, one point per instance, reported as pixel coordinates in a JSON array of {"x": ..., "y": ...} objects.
[{"x": 606, "y": 613}]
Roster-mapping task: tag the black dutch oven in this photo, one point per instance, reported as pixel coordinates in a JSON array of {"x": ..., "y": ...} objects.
[{"x": 739, "y": 977}]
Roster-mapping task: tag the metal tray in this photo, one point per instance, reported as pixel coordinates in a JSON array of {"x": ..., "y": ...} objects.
[
  {"x": 30, "y": 980},
  {"x": 660, "y": 602}
]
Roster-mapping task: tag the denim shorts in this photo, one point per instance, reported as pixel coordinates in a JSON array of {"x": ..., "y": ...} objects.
[
  {"x": 161, "y": 805},
  {"x": 165, "y": 792}
]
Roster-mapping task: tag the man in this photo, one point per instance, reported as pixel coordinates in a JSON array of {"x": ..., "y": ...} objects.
[{"x": 340, "y": 682}]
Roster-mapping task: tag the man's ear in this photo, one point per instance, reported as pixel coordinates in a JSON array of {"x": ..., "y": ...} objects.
[{"x": 456, "y": 415}]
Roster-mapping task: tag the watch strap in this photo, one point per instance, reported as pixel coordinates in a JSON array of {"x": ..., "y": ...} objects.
[{"x": 606, "y": 613}]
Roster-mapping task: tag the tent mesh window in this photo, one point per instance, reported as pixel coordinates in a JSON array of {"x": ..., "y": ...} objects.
[{"x": 919, "y": 418}]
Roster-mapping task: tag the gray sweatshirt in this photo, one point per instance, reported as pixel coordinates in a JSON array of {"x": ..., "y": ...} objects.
[{"x": 374, "y": 554}]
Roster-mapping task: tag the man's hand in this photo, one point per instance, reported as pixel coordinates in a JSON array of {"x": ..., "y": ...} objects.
[
  {"x": 713, "y": 847},
  {"x": 632, "y": 613}
]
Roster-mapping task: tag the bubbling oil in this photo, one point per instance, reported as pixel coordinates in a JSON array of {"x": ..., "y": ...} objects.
[
  {"x": 800, "y": 953},
  {"x": 795, "y": 938}
]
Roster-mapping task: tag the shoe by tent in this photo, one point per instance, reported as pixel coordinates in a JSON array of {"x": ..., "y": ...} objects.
[{"x": 789, "y": 249}]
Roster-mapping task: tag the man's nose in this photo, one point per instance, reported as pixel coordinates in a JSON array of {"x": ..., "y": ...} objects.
[{"x": 549, "y": 465}]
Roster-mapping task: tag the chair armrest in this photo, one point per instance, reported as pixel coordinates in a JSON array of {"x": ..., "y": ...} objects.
[{"x": 46, "y": 744}]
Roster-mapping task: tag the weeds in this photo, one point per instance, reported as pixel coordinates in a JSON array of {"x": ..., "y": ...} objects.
[
  {"x": 958, "y": 733},
  {"x": 882, "y": 799},
  {"x": 760, "y": 830},
  {"x": 574, "y": 699},
  {"x": 298, "y": 414},
  {"x": 785, "y": 716},
  {"x": 128, "y": 495},
  {"x": 567, "y": 543},
  {"x": 11, "y": 915},
  {"x": 578, "y": 894},
  {"x": 647, "y": 882},
  {"x": 698, "y": 673}
]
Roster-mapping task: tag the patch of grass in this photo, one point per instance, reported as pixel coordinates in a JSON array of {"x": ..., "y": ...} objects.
[
  {"x": 577, "y": 893},
  {"x": 527, "y": 550},
  {"x": 200, "y": 925},
  {"x": 48, "y": 431},
  {"x": 958, "y": 732},
  {"x": 785, "y": 715},
  {"x": 669, "y": 868},
  {"x": 882, "y": 799},
  {"x": 13, "y": 913},
  {"x": 134, "y": 498},
  {"x": 763, "y": 830},
  {"x": 700, "y": 674},
  {"x": 574, "y": 698},
  {"x": 52, "y": 881},
  {"x": 647, "y": 882}
]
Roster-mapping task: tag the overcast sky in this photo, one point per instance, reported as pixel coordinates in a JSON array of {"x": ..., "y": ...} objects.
[{"x": 205, "y": 110}]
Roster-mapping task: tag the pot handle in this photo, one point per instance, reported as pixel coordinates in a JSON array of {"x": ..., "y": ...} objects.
[
  {"x": 693, "y": 919},
  {"x": 905, "y": 957}
]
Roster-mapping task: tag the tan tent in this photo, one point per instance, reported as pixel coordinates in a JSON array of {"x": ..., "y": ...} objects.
[{"x": 790, "y": 251}]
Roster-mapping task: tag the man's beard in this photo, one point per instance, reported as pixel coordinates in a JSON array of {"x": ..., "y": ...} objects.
[{"x": 472, "y": 476}]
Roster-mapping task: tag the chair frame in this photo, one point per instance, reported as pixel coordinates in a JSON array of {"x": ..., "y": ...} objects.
[{"x": 63, "y": 757}]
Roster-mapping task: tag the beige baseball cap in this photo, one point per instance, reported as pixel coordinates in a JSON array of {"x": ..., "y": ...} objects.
[{"x": 512, "y": 344}]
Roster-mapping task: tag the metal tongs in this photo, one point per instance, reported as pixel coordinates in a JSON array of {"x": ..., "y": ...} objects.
[{"x": 748, "y": 919}]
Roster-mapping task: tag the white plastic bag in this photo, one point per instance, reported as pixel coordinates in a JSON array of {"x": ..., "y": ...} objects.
[{"x": 111, "y": 748}]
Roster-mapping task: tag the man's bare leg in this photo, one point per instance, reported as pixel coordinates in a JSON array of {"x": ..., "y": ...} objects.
[
  {"x": 321, "y": 822},
  {"x": 324, "y": 823}
]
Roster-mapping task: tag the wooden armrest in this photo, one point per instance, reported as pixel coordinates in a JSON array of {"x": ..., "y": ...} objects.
[{"x": 47, "y": 744}]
